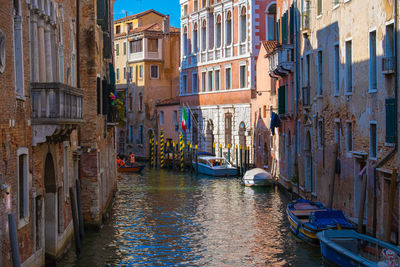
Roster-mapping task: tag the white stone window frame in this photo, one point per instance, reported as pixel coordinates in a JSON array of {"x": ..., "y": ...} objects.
[
  {"x": 346, "y": 92},
  {"x": 225, "y": 36},
  {"x": 370, "y": 89},
  {"x": 203, "y": 85},
  {"x": 205, "y": 35},
  {"x": 195, "y": 45},
  {"x": 319, "y": 16},
  {"x": 372, "y": 157},
  {"x": 241, "y": 5},
  {"x": 221, "y": 35},
  {"x": 23, "y": 151},
  {"x": 217, "y": 68},
  {"x": 184, "y": 90},
  {"x": 241, "y": 64},
  {"x": 336, "y": 74},
  {"x": 228, "y": 66},
  {"x": 195, "y": 81}
]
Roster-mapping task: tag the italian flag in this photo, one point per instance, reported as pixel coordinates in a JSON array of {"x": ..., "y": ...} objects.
[{"x": 184, "y": 119}]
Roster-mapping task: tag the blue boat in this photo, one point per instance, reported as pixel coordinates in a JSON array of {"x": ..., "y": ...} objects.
[
  {"x": 349, "y": 248},
  {"x": 307, "y": 218},
  {"x": 215, "y": 166}
]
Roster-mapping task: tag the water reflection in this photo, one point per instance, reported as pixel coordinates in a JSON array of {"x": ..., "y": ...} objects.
[{"x": 164, "y": 218}]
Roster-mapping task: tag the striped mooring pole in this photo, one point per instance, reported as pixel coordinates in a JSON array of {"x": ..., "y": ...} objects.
[
  {"x": 162, "y": 148},
  {"x": 229, "y": 153},
  {"x": 152, "y": 152},
  {"x": 213, "y": 148},
  {"x": 181, "y": 147}
]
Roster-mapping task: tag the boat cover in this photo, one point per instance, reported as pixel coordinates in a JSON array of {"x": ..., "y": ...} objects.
[
  {"x": 257, "y": 174},
  {"x": 328, "y": 219}
]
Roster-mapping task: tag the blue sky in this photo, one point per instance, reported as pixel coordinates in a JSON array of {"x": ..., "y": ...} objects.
[{"x": 167, "y": 7}]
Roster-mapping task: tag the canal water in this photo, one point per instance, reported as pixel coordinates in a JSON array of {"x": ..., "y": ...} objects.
[{"x": 163, "y": 218}]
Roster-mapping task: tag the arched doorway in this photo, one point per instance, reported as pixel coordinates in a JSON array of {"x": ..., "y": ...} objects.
[
  {"x": 308, "y": 168},
  {"x": 210, "y": 135},
  {"x": 51, "y": 208}
]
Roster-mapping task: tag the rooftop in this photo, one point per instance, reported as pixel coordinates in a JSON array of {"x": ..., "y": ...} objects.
[{"x": 138, "y": 15}]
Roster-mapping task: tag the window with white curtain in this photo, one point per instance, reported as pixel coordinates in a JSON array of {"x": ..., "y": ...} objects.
[
  {"x": 228, "y": 30},
  {"x": 243, "y": 24}
]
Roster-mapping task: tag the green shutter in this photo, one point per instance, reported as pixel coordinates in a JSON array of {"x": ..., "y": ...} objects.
[
  {"x": 281, "y": 100},
  {"x": 100, "y": 12},
  {"x": 390, "y": 120}
]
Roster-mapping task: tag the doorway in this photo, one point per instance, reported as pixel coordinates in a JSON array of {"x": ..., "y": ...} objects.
[
  {"x": 210, "y": 135},
  {"x": 51, "y": 211}
]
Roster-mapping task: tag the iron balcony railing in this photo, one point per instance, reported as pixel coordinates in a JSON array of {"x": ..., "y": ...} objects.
[
  {"x": 388, "y": 65},
  {"x": 56, "y": 103}
]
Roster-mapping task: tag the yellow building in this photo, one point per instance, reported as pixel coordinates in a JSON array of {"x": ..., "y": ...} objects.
[{"x": 147, "y": 51}]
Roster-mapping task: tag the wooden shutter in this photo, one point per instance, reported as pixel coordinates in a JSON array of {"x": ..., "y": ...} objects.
[
  {"x": 281, "y": 100},
  {"x": 390, "y": 120}
]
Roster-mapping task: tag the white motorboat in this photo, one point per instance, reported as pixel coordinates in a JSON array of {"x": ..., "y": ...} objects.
[
  {"x": 257, "y": 177},
  {"x": 215, "y": 166}
]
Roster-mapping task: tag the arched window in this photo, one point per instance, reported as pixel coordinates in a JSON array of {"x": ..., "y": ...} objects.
[
  {"x": 228, "y": 29},
  {"x": 243, "y": 24},
  {"x": 270, "y": 20},
  {"x": 195, "y": 48},
  {"x": 204, "y": 35},
  {"x": 185, "y": 41},
  {"x": 218, "y": 26}
]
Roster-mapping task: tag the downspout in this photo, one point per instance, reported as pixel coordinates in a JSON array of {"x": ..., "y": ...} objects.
[
  {"x": 296, "y": 130},
  {"x": 394, "y": 151},
  {"x": 78, "y": 81}
]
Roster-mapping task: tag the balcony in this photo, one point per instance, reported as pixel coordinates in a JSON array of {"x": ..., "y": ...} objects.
[
  {"x": 306, "y": 97},
  {"x": 305, "y": 23},
  {"x": 281, "y": 60},
  {"x": 56, "y": 109},
  {"x": 388, "y": 65},
  {"x": 144, "y": 55}
]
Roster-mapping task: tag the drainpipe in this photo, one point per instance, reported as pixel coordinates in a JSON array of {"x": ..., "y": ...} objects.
[
  {"x": 78, "y": 81},
  {"x": 394, "y": 151}
]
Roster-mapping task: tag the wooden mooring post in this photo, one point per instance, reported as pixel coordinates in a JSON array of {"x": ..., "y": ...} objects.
[
  {"x": 241, "y": 160},
  {"x": 237, "y": 159},
  {"x": 197, "y": 159},
  {"x": 161, "y": 148},
  {"x": 152, "y": 152},
  {"x": 390, "y": 206},
  {"x": 229, "y": 153}
]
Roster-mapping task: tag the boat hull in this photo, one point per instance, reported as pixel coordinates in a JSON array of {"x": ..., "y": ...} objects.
[
  {"x": 134, "y": 169},
  {"x": 220, "y": 172},
  {"x": 257, "y": 182}
]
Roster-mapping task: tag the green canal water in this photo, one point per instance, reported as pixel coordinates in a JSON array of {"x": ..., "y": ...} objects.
[{"x": 163, "y": 218}]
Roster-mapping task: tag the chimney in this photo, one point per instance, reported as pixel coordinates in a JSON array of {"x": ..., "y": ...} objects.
[{"x": 166, "y": 24}]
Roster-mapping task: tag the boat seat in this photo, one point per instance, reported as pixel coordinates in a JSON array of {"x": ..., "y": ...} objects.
[{"x": 304, "y": 212}]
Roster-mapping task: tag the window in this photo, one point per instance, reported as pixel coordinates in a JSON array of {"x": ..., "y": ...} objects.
[
  {"x": 184, "y": 84},
  {"x": 66, "y": 170},
  {"x": 140, "y": 108},
  {"x": 228, "y": 129},
  {"x": 243, "y": 25},
  {"x": 349, "y": 67},
  {"x": 185, "y": 10},
  {"x": 210, "y": 81},
  {"x": 161, "y": 118},
  {"x": 118, "y": 29},
  {"x": 185, "y": 41},
  {"x": 204, "y": 36},
  {"x": 389, "y": 45},
  {"x": 320, "y": 75},
  {"x": 124, "y": 72},
  {"x": 271, "y": 22},
  {"x": 195, "y": 48},
  {"x": 154, "y": 71},
  {"x": 372, "y": 61},
  {"x": 117, "y": 74},
  {"x": 18, "y": 51},
  {"x": 195, "y": 5},
  {"x": 117, "y": 49},
  {"x": 140, "y": 71},
  {"x": 124, "y": 49},
  {"x": 242, "y": 78},
  {"x": 264, "y": 111},
  {"x": 228, "y": 78},
  {"x": 373, "y": 144},
  {"x": 175, "y": 118},
  {"x": 320, "y": 134},
  {"x": 336, "y": 70},
  {"x": 203, "y": 81},
  {"x": 23, "y": 190},
  {"x": 130, "y": 26},
  {"x": 218, "y": 30},
  {"x": 229, "y": 28},
  {"x": 217, "y": 79},
  {"x": 319, "y": 7},
  {"x": 337, "y": 133},
  {"x": 194, "y": 83},
  {"x": 349, "y": 137},
  {"x": 136, "y": 46},
  {"x": 307, "y": 71},
  {"x": 130, "y": 134},
  {"x": 335, "y": 3},
  {"x": 130, "y": 75},
  {"x": 38, "y": 222}
]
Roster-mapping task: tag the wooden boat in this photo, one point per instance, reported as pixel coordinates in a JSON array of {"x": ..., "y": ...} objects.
[
  {"x": 215, "y": 166},
  {"x": 257, "y": 177},
  {"x": 134, "y": 169},
  {"x": 349, "y": 248},
  {"x": 307, "y": 218}
]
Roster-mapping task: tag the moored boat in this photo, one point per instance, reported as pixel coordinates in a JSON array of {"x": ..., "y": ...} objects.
[
  {"x": 134, "y": 169},
  {"x": 215, "y": 166},
  {"x": 349, "y": 248},
  {"x": 307, "y": 218},
  {"x": 257, "y": 177}
]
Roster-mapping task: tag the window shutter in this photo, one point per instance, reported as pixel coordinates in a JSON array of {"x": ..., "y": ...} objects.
[
  {"x": 105, "y": 96},
  {"x": 281, "y": 100},
  {"x": 98, "y": 96},
  {"x": 390, "y": 120},
  {"x": 101, "y": 12}
]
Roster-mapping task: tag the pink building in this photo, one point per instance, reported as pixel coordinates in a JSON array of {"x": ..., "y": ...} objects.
[{"x": 220, "y": 41}]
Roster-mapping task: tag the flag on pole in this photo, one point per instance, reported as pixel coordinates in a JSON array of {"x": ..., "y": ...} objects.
[
  {"x": 184, "y": 119},
  {"x": 189, "y": 125}
]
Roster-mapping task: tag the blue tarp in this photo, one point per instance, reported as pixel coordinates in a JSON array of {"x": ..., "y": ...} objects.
[{"x": 329, "y": 218}]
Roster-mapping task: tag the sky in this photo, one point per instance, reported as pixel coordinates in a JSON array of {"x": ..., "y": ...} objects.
[{"x": 166, "y": 7}]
